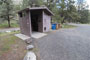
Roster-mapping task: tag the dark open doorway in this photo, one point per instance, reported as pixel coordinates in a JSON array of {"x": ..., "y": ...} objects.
[{"x": 34, "y": 21}]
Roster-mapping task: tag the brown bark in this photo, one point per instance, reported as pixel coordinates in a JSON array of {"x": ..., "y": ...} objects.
[
  {"x": 9, "y": 25},
  {"x": 62, "y": 21},
  {"x": 8, "y": 16}
]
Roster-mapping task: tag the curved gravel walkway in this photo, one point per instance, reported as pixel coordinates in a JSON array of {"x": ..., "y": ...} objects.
[{"x": 66, "y": 44}]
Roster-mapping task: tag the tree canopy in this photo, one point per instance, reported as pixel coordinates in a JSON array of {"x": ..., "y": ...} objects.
[
  {"x": 64, "y": 10},
  {"x": 7, "y": 10}
]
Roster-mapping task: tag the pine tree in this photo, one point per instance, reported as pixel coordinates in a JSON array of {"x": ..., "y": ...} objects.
[
  {"x": 52, "y": 5},
  {"x": 72, "y": 13},
  {"x": 7, "y": 10},
  {"x": 62, "y": 10},
  {"x": 83, "y": 11},
  {"x": 30, "y": 3}
]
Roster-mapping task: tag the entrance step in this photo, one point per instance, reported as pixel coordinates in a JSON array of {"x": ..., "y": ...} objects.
[
  {"x": 22, "y": 36},
  {"x": 38, "y": 35},
  {"x": 35, "y": 35}
]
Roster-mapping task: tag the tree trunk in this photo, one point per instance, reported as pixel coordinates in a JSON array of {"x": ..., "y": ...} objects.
[
  {"x": 9, "y": 25},
  {"x": 62, "y": 21}
]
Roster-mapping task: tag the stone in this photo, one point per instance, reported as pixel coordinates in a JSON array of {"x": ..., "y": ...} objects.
[
  {"x": 8, "y": 31},
  {"x": 28, "y": 41},
  {"x": 29, "y": 47},
  {"x": 22, "y": 36},
  {"x": 30, "y": 56}
]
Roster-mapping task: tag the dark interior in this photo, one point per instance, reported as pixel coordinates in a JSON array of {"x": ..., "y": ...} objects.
[{"x": 34, "y": 21}]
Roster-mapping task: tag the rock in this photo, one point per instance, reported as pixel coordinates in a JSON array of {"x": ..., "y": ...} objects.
[
  {"x": 8, "y": 31},
  {"x": 29, "y": 47},
  {"x": 30, "y": 56},
  {"x": 28, "y": 41}
]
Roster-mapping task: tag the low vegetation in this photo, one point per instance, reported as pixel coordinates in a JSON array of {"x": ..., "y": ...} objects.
[
  {"x": 68, "y": 26},
  {"x": 14, "y": 24},
  {"x": 64, "y": 10},
  {"x": 10, "y": 45}
]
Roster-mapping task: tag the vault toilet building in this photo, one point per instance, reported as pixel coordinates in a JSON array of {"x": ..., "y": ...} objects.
[{"x": 35, "y": 19}]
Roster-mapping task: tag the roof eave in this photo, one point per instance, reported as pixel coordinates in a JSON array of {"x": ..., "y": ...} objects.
[
  {"x": 36, "y": 8},
  {"x": 26, "y": 9}
]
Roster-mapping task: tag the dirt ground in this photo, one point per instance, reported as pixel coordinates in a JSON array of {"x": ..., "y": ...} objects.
[{"x": 12, "y": 48}]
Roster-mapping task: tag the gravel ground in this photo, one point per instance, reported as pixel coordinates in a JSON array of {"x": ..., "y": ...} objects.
[
  {"x": 66, "y": 44},
  {"x": 9, "y": 29}
]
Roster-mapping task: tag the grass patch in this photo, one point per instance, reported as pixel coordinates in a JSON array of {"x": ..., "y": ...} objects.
[
  {"x": 10, "y": 43},
  {"x": 6, "y": 41},
  {"x": 68, "y": 26},
  {"x": 14, "y": 24}
]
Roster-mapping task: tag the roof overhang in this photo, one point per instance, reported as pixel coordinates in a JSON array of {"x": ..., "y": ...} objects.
[{"x": 37, "y": 8}]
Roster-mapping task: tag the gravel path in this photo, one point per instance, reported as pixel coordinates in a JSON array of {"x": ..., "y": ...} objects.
[
  {"x": 9, "y": 29},
  {"x": 66, "y": 44}
]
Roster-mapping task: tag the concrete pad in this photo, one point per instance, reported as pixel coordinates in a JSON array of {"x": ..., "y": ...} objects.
[
  {"x": 38, "y": 35},
  {"x": 22, "y": 36}
]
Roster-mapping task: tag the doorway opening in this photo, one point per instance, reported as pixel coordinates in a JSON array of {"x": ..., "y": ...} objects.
[{"x": 34, "y": 21}]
